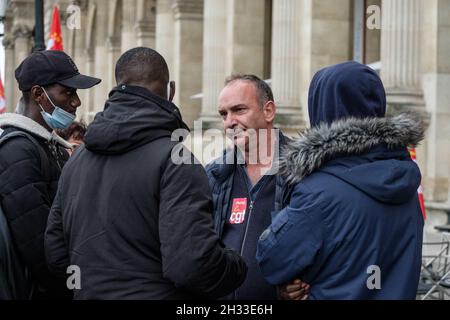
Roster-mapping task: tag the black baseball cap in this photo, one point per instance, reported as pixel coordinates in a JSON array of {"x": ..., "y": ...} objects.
[{"x": 49, "y": 67}]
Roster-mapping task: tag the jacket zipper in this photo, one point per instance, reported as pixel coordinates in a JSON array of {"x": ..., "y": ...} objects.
[
  {"x": 55, "y": 153},
  {"x": 250, "y": 208}
]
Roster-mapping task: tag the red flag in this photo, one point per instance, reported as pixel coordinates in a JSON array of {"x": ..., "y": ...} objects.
[
  {"x": 55, "y": 41},
  {"x": 2, "y": 98},
  {"x": 412, "y": 152}
]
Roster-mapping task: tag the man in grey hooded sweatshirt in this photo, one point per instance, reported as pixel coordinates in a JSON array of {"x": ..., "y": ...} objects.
[{"x": 31, "y": 158}]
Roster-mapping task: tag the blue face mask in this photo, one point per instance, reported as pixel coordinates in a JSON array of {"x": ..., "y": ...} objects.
[{"x": 59, "y": 119}]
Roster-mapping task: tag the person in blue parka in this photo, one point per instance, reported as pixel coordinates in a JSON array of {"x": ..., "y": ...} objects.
[{"x": 353, "y": 226}]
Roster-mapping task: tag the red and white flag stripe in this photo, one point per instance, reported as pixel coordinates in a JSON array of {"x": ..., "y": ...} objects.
[
  {"x": 412, "y": 152},
  {"x": 2, "y": 98}
]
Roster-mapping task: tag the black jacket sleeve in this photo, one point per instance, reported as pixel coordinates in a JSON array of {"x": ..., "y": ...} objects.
[
  {"x": 26, "y": 201},
  {"x": 193, "y": 257},
  {"x": 56, "y": 250}
]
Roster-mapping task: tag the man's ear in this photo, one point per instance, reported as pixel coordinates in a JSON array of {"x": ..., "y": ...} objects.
[
  {"x": 269, "y": 110},
  {"x": 171, "y": 90},
  {"x": 37, "y": 94}
]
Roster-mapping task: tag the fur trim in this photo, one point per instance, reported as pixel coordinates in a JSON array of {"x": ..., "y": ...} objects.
[
  {"x": 347, "y": 137},
  {"x": 31, "y": 126}
]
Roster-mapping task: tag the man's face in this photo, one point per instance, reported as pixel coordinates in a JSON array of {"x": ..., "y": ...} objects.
[
  {"x": 241, "y": 110},
  {"x": 63, "y": 97}
]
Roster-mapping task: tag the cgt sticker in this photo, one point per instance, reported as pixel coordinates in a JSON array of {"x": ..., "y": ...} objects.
[{"x": 238, "y": 211}]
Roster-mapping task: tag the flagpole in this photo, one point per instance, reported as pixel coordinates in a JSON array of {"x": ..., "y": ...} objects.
[{"x": 39, "y": 43}]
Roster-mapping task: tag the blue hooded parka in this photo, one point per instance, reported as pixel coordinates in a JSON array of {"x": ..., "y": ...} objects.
[{"x": 353, "y": 226}]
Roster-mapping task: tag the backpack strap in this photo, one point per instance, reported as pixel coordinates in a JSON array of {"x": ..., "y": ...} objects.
[{"x": 45, "y": 164}]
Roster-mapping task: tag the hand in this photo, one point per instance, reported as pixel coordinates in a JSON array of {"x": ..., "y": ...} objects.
[{"x": 294, "y": 290}]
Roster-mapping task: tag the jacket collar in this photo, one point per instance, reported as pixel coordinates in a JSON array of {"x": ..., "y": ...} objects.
[
  {"x": 348, "y": 137},
  {"x": 29, "y": 125},
  {"x": 147, "y": 95}
]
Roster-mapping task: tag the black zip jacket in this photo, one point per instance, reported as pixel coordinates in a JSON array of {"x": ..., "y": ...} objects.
[{"x": 138, "y": 225}]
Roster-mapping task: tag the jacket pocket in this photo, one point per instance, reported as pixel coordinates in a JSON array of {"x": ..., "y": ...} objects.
[
  {"x": 280, "y": 219},
  {"x": 269, "y": 237}
]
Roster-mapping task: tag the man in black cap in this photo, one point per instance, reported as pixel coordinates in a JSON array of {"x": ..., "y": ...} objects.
[{"x": 31, "y": 158}]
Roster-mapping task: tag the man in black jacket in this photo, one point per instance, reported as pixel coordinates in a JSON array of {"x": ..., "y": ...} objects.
[
  {"x": 136, "y": 224},
  {"x": 30, "y": 168},
  {"x": 246, "y": 189}
]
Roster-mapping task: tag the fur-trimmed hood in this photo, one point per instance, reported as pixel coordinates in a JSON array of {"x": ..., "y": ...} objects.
[
  {"x": 21, "y": 122},
  {"x": 348, "y": 137}
]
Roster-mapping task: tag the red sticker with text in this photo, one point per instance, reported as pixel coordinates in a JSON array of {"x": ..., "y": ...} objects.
[{"x": 238, "y": 210}]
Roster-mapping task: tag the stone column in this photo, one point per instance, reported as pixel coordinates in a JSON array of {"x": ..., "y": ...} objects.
[
  {"x": 286, "y": 63},
  {"x": 90, "y": 108},
  {"x": 434, "y": 153},
  {"x": 22, "y": 28},
  {"x": 129, "y": 36},
  {"x": 373, "y": 36},
  {"x": 188, "y": 57},
  {"x": 235, "y": 41},
  {"x": 22, "y": 35},
  {"x": 245, "y": 37},
  {"x": 400, "y": 54},
  {"x": 89, "y": 35},
  {"x": 297, "y": 53},
  {"x": 23, "y": 42},
  {"x": 113, "y": 48},
  {"x": 113, "y": 41},
  {"x": 214, "y": 64},
  {"x": 165, "y": 22},
  {"x": 101, "y": 55},
  {"x": 145, "y": 23},
  {"x": 80, "y": 56},
  {"x": 9, "y": 81}
]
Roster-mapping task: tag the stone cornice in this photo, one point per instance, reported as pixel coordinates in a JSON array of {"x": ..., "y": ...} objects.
[
  {"x": 188, "y": 9},
  {"x": 21, "y": 31},
  {"x": 145, "y": 28},
  {"x": 83, "y": 4},
  {"x": 21, "y": 9},
  {"x": 8, "y": 42}
]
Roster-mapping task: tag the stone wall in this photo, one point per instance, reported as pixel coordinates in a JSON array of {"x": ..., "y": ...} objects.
[{"x": 286, "y": 41}]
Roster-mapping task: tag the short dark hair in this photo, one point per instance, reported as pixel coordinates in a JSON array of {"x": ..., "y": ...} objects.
[
  {"x": 264, "y": 91},
  {"x": 142, "y": 64},
  {"x": 76, "y": 130}
]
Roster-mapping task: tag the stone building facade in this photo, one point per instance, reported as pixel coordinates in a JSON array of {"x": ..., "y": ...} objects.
[{"x": 284, "y": 41}]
